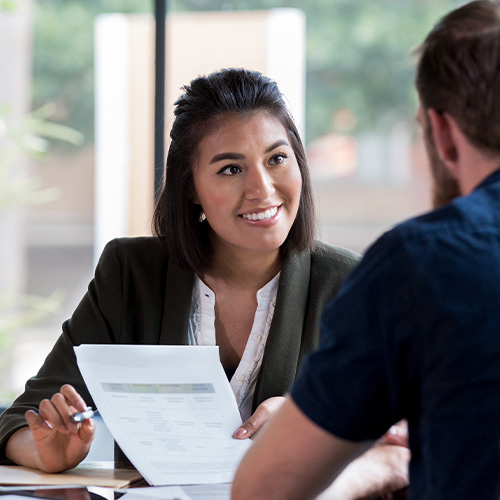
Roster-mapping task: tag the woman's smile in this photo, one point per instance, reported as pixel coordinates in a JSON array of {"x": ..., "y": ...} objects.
[{"x": 262, "y": 215}]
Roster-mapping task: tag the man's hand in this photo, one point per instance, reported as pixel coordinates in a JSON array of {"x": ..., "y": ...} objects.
[
  {"x": 379, "y": 472},
  {"x": 397, "y": 434},
  {"x": 261, "y": 415},
  {"x": 53, "y": 442}
]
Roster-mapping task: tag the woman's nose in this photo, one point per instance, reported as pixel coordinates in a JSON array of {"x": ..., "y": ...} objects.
[{"x": 258, "y": 183}]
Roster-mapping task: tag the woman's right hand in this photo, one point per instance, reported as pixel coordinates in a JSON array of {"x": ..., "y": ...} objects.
[{"x": 53, "y": 442}]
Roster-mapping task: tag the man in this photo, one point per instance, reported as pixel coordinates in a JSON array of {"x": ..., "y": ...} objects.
[{"x": 415, "y": 331}]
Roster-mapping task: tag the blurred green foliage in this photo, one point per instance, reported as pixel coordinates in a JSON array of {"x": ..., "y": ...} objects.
[
  {"x": 8, "y": 5},
  {"x": 358, "y": 54},
  {"x": 31, "y": 137},
  {"x": 63, "y": 59}
]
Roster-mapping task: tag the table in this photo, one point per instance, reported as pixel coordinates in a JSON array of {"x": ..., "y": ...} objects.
[{"x": 104, "y": 477}]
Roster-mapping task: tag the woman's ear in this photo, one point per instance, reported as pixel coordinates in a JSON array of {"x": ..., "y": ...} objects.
[{"x": 442, "y": 125}]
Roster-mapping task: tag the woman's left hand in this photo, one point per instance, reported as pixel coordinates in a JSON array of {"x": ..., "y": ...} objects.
[{"x": 261, "y": 415}]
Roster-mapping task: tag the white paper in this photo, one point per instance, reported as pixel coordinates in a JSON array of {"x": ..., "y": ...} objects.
[
  {"x": 209, "y": 491},
  {"x": 13, "y": 497},
  {"x": 156, "y": 493},
  {"x": 170, "y": 409},
  {"x": 219, "y": 491}
]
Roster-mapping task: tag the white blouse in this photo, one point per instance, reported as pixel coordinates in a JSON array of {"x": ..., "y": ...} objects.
[{"x": 201, "y": 331}]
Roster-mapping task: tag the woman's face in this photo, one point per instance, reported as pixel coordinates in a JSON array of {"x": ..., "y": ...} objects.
[{"x": 248, "y": 182}]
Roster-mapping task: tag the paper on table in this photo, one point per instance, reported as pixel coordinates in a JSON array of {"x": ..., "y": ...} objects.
[
  {"x": 170, "y": 409},
  {"x": 13, "y": 497},
  {"x": 156, "y": 493},
  {"x": 219, "y": 491}
]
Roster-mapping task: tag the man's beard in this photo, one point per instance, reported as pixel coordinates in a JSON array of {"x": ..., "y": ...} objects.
[{"x": 445, "y": 188}]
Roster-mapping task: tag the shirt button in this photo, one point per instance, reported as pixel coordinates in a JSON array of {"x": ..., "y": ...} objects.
[
  {"x": 264, "y": 294},
  {"x": 256, "y": 337}
]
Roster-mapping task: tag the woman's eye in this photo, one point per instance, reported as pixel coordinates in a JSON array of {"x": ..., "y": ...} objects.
[
  {"x": 230, "y": 170},
  {"x": 278, "y": 159}
]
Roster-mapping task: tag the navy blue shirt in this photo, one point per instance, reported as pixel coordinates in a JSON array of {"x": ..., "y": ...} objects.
[{"x": 415, "y": 333}]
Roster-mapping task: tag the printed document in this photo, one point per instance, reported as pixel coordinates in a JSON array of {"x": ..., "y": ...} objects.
[{"x": 170, "y": 409}]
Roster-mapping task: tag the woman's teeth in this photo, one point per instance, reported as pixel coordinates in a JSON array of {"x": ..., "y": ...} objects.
[{"x": 267, "y": 214}]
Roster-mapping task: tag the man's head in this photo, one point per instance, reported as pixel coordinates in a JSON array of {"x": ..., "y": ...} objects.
[{"x": 459, "y": 74}]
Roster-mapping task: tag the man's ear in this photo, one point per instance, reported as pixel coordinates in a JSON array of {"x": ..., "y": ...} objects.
[{"x": 443, "y": 133}]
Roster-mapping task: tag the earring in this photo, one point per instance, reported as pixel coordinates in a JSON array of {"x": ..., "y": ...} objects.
[{"x": 202, "y": 216}]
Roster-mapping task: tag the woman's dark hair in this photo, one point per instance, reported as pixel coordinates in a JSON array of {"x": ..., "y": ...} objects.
[
  {"x": 176, "y": 218},
  {"x": 459, "y": 71}
]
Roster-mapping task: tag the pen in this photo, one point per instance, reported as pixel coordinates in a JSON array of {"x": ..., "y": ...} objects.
[{"x": 82, "y": 415}]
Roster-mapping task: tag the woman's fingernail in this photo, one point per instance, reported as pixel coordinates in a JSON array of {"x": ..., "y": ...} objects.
[
  {"x": 47, "y": 425},
  {"x": 240, "y": 433}
]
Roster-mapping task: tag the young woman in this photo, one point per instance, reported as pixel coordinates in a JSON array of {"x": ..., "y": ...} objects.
[{"x": 233, "y": 262}]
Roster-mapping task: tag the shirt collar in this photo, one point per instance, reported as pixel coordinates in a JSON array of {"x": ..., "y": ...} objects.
[{"x": 491, "y": 179}]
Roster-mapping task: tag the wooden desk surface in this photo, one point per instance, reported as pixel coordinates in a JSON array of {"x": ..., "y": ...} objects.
[{"x": 87, "y": 474}]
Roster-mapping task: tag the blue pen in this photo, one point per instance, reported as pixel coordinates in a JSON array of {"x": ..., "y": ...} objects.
[{"x": 82, "y": 415}]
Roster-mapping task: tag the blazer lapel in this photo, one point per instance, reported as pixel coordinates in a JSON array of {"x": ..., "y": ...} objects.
[
  {"x": 178, "y": 292},
  {"x": 281, "y": 356}
]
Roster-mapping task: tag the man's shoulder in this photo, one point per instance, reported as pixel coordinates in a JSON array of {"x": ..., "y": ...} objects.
[
  {"x": 441, "y": 235},
  {"x": 412, "y": 237},
  {"x": 426, "y": 223},
  {"x": 479, "y": 209}
]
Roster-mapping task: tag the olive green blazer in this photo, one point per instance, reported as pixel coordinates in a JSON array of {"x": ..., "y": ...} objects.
[{"x": 138, "y": 296}]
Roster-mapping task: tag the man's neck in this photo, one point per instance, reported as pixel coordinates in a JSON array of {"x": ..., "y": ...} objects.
[{"x": 476, "y": 170}]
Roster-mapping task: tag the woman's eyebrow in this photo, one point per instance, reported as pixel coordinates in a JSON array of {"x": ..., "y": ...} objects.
[
  {"x": 237, "y": 156},
  {"x": 277, "y": 144},
  {"x": 226, "y": 156}
]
